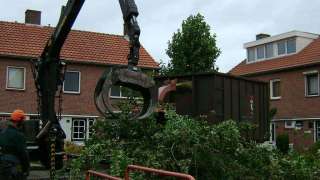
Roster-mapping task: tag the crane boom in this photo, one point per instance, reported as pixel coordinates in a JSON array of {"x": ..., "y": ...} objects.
[
  {"x": 49, "y": 79},
  {"x": 68, "y": 16},
  {"x": 49, "y": 76},
  {"x": 131, "y": 29}
]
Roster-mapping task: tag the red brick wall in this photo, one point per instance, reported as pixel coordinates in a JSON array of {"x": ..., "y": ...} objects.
[
  {"x": 293, "y": 102},
  {"x": 300, "y": 138},
  {"x": 83, "y": 103},
  {"x": 12, "y": 99},
  {"x": 73, "y": 104}
]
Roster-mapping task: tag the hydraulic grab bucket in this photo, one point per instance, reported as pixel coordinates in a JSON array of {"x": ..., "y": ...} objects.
[
  {"x": 134, "y": 80},
  {"x": 130, "y": 77}
]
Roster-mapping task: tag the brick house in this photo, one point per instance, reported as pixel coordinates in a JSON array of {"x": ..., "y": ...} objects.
[
  {"x": 290, "y": 62},
  {"x": 87, "y": 54}
]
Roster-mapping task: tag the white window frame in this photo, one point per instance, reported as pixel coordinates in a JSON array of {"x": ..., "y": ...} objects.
[
  {"x": 273, "y": 133},
  {"x": 254, "y": 51},
  {"x": 293, "y": 124},
  {"x": 4, "y": 118},
  {"x": 264, "y": 52},
  {"x": 275, "y": 50},
  {"x": 24, "y": 78},
  {"x": 73, "y": 92},
  {"x": 85, "y": 129},
  {"x": 306, "y": 83},
  {"x": 271, "y": 89},
  {"x": 118, "y": 97},
  {"x": 285, "y": 48},
  {"x": 295, "y": 41},
  {"x": 274, "y": 45}
]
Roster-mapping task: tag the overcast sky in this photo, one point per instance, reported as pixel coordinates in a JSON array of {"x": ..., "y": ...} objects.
[{"x": 234, "y": 21}]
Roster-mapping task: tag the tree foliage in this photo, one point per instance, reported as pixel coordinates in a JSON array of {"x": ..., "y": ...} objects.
[
  {"x": 190, "y": 146},
  {"x": 192, "y": 49}
]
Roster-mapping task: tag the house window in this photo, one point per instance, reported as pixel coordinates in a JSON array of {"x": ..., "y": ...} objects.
[
  {"x": 281, "y": 47},
  {"x": 289, "y": 124},
  {"x": 251, "y": 54},
  {"x": 71, "y": 82},
  {"x": 78, "y": 129},
  {"x": 299, "y": 124},
  {"x": 291, "y": 45},
  {"x": 310, "y": 125},
  {"x": 117, "y": 92},
  {"x": 275, "y": 89},
  {"x": 269, "y": 50},
  {"x": 4, "y": 118},
  {"x": 16, "y": 78},
  {"x": 312, "y": 84},
  {"x": 260, "y": 52}
]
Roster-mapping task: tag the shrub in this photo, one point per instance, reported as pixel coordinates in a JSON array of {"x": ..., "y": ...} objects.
[
  {"x": 315, "y": 148},
  {"x": 186, "y": 145},
  {"x": 282, "y": 143},
  {"x": 182, "y": 145},
  {"x": 72, "y": 148}
]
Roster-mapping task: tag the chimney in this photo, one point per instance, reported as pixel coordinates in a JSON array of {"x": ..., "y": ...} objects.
[
  {"x": 33, "y": 17},
  {"x": 261, "y": 36}
]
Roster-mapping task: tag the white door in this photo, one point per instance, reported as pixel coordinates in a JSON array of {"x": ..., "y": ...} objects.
[
  {"x": 318, "y": 130},
  {"x": 273, "y": 132}
]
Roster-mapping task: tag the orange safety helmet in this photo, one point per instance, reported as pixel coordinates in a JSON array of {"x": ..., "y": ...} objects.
[{"x": 17, "y": 116}]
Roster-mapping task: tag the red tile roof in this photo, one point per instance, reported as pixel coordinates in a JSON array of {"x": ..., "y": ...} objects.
[
  {"x": 26, "y": 40},
  {"x": 308, "y": 56}
]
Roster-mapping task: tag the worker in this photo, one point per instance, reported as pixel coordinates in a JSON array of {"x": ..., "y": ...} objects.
[
  {"x": 14, "y": 158},
  {"x": 3, "y": 124}
]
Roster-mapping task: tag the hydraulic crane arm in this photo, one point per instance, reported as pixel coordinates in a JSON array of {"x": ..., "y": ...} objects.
[
  {"x": 68, "y": 16},
  {"x": 131, "y": 29},
  {"x": 49, "y": 75},
  {"x": 49, "y": 66}
]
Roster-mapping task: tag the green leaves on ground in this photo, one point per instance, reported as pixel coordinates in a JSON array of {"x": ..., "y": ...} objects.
[{"x": 190, "y": 146}]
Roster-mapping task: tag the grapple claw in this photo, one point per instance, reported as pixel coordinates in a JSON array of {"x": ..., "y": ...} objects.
[{"x": 124, "y": 77}]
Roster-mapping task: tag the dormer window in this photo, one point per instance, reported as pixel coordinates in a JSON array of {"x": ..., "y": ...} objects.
[
  {"x": 287, "y": 46},
  {"x": 251, "y": 54},
  {"x": 267, "y": 47},
  {"x": 269, "y": 50},
  {"x": 281, "y": 47},
  {"x": 291, "y": 45},
  {"x": 260, "y": 52}
]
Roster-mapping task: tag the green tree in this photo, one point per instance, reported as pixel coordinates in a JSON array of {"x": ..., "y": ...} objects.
[{"x": 192, "y": 49}]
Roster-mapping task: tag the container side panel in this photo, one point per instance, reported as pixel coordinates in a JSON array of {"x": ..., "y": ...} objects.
[{"x": 235, "y": 99}]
